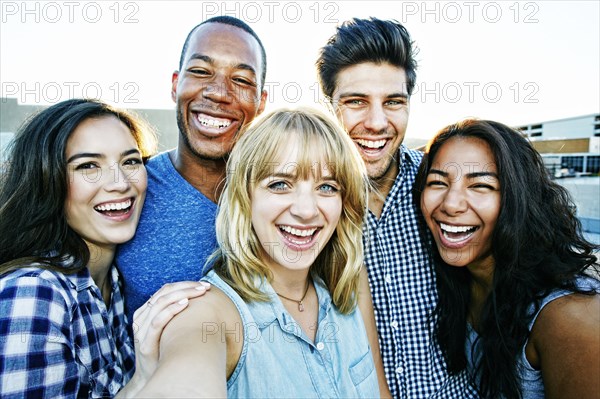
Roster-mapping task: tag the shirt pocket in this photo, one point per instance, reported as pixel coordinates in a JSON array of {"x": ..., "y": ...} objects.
[{"x": 363, "y": 376}]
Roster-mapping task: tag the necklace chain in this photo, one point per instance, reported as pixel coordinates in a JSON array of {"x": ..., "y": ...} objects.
[{"x": 300, "y": 304}]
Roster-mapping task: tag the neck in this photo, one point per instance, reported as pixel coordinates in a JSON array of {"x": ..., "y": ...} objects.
[
  {"x": 101, "y": 259},
  {"x": 205, "y": 175},
  {"x": 292, "y": 284},
  {"x": 381, "y": 187},
  {"x": 481, "y": 286}
]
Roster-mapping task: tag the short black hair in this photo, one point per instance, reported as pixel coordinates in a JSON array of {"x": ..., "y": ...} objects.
[
  {"x": 232, "y": 21},
  {"x": 366, "y": 40}
]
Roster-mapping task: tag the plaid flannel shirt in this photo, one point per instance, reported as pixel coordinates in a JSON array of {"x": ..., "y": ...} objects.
[
  {"x": 404, "y": 295},
  {"x": 58, "y": 339}
]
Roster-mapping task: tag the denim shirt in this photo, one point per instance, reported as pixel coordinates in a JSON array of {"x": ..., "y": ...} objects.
[{"x": 278, "y": 360}]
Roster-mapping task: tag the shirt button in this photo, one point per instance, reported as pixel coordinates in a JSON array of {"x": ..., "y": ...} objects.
[
  {"x": 388, "y": 279},
  {"x": 394, "y": 324},
  {"x": 320, "y": 346},
  {"x": 399, "y": 370}
]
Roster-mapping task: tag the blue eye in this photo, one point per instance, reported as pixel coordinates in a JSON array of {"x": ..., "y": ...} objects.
[
  {"x": 328, "y": 188},
  {"x": 278, "y": 186}
]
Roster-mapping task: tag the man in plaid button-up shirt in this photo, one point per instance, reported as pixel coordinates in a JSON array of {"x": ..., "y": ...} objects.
[{"x": 367, "y": 72}]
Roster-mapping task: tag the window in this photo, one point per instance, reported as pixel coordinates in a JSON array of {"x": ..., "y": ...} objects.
[
  {"x": 593, "y": 164},
  {"x": 574, "y": 163}
]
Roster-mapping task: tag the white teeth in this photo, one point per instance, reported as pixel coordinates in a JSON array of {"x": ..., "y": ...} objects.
[
  {"x": 211, "y": 122},
  {"x": 455, "y": 229},
  {"x": 114, "y": 206},
  {"x": 299, "y": 233},
  {"x": 371, "y": 144}
]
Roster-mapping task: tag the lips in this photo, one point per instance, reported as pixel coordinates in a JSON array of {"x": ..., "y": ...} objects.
[
  {"x": 209, "y": 121},
  {"x": 211, "y": 124},
  {"x": 120, "y": 209},
  {"x": 299, "y": 238},
  {"x": 456, "y": 236},
  {"x": 371, "y": 147}
]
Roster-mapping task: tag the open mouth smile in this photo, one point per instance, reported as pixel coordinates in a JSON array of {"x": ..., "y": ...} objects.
[
  {"x": 115, "y": 209},
  {"x": 299, "y": 239},
  {"x": 457, "y": 234}
]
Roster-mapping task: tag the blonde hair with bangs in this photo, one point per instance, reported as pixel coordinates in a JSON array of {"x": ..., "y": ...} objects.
[{"x": 239, "y": 257}]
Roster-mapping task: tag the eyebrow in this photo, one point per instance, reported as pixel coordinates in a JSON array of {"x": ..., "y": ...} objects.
[
  {"x": 97, "y": 155},
  {"x": 359, "y": 94},
  {"x": 211, "y": 61},
  {"x": 295, "y": 176},
  {"x": 468, "y": 175}
]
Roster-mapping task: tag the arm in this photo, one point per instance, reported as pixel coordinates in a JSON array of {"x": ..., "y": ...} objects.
[
  {"x": 365, "y": 304},
  {"x": 37, "y": 355},
  {"x": 195, "y": 343},
  {"x": 565, "y": 345},
  {"x": 148, "y": 324}
]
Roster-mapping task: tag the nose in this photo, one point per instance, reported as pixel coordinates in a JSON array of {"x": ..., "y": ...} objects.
[
  {"x": 376, "y": 119},
  {"x": 218, "y": 90},
  {"x": 304, "y": 204},
  {"x": 454, "y": 202},
  {"x": 119, "y": 179}
]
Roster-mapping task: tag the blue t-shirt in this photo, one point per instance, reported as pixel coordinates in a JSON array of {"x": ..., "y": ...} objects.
[{"x": 175, "y": 236}]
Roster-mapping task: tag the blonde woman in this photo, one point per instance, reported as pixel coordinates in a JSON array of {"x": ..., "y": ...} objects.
[{"x": 282, "y": 319}]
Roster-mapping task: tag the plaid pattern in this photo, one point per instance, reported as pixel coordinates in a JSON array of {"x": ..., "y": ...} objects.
[
  {"x": 404, "y": 295},
  {"x": 58, "y": 339}
]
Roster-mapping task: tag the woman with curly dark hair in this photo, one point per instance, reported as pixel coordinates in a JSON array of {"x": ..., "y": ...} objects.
[{"x": 519, "y": 303}]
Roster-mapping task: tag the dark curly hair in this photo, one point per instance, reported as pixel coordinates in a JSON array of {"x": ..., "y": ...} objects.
[
  {"x": 34, "y": 184},
  {"x": 537, "y": 246}
]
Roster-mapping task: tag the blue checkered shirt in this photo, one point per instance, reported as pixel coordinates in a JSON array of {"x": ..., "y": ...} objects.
[
  {"x": 404, "y": 295},
  {"x": 58, "y": 339}
]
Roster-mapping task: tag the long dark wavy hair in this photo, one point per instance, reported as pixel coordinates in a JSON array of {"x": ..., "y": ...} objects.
[
  {"x": 34, "y": 184},
  {"x": 537, "y": 246}
]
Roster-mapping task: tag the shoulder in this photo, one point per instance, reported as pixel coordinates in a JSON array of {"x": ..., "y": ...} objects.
[
  {"x": 158, "y": 162},
  {"x": 569, "y": 314},
  {"x": 209, "y": 313},
  {"x": 568, "y": 323},
  {"x": 36, "y": 286},
  {"x": 413, "y": 157},
  {"x": 35, "y": 303},
  {"x": 566, "y": 346}
]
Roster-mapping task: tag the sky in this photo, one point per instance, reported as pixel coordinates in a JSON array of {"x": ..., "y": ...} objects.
[{"x": 517, "y": 62}]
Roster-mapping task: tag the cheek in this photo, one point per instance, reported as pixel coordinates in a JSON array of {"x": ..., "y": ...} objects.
[
  {"x": 428, "y": 203},
  {"x": 141, "y": 180},
  {"x": 350, "y": 118}
]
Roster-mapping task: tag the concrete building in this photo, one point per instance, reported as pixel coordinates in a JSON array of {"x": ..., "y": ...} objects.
[
  {"x": 569, "y": 146},
  {"x": 13, "y": 114}
]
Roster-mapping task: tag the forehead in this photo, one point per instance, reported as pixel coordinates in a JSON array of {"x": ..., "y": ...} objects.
[
  {"x": 300, "y": 156},
  {"x": 370, "y": 79},
  {"x": 224, "y": 43},
  {"x": 466, "y": 153},
  {"x": 100, "y": 135}
]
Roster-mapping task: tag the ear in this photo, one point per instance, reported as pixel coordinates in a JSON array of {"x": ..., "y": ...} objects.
[
  {"x": 174, "y": 80},
  {"x": 263, "y": 102}
]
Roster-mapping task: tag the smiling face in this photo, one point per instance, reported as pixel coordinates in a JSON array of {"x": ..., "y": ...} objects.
[
  {"x": 107, "y": 182},
  {"x": 293, "y": 215},
  {"x": 217, "y": 91},
  {"x": 461, "y": 202},
  {"x": 371, "y": 100}
]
